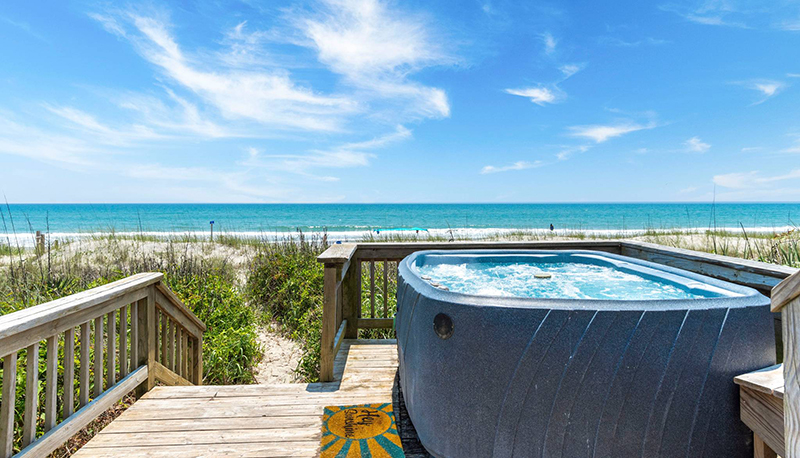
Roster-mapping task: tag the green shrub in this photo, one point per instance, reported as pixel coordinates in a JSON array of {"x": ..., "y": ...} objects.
[{"x": 285, "y": 282}]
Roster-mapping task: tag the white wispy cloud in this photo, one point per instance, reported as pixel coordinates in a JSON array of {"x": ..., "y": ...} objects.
[
  {"x": 46, "y": 145},
  {"x": 765, "y": 87},
  {"x": 569, "y": 151},
  {"x": 748, "y": 14},
  {"x": 708, "y": 12},
  {"x": 353, "y": 154},
  {"x": 376, "y": 46},
  {"x": 25, "y": 27},
  {"x": 570, "y": 69},
  {"x": 696, "y": 145},
  {"x": 519, "y": 165},
  {"x": 226, "y": 185},
  {"x": 615, "y": 41},
  {"x": 601, "y": 133},
  {"x": 549, "y": 42},
  {"x": 542, "y": 94},
  {"x": 267, "y": 97},
  {"x": 539, "y": 95},
  {"x": 753, "y": 179}
]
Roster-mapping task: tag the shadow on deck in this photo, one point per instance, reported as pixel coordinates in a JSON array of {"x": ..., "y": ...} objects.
[{"x": 248, "y": 420}]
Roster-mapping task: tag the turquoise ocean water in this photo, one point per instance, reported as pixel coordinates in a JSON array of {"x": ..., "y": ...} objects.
[{"x": 352, "y": 220}]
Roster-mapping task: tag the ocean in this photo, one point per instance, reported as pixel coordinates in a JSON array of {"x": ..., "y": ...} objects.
[{"x": 352, "y": 221}]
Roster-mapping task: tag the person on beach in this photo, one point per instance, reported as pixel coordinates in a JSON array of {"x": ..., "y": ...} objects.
[{"x": 551, "y": 227}]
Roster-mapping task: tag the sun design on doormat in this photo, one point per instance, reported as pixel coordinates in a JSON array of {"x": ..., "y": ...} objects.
[{"x": 360, "y": 431}]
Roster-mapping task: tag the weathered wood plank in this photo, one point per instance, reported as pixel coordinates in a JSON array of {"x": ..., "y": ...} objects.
[
  {"x": 761, "y": 449},
  {"x": 151, "y": 325},
  {"x": 165, "y": 375},
  {"x": 337, "y": 253},
  {"x": 768, "y": 380},
  {"x": 351, "y": 299},
  {"x": 98, "y": 355},
  {"x": 26, "y": 319},
  {"x": 185, "y": 359},
  {"x": 178, "y": 313},
  {"x": 167, "y": 438},
  {"x": 111, "y": 349},
  {"x": 255, "y": 449},
  {"x": 197, "y": 361},
  {"x": 758, "y": 275},
  {"x": 790, "y": 318},
  {"x": 67, "y": 428},
  {"x": 385, "y": 288},
  {"x": 185, "y": 313},
  {"x": 49, "y": 328},
  {"x": 8, "y": 403},
  {"x": 68, "y": 402},
  {"x": 375, "y": 323},
  {"x": 329, "y": 325},
  {"x": 763, "y": 413},
  {"x": 170, "y": 345},
  {"x": 31, "y": 412},
  {"x": 210, "y": 424},
  {"x": 398, "y": 251},
  {"x": 372, "y": 289},
  {"x": 135, "y": 326},
  {"x": 86, "y": 337},
  {"x": 179, "y": 352},
  {"x": 188, "y": 419},
  {"x": 51, "y": 387},
  {"x": 785, "y": 292},
  {"x": 123, "y": 341}
]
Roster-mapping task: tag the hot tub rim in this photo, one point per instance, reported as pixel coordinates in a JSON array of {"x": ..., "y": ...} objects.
[{"x": 748, "y": 297}]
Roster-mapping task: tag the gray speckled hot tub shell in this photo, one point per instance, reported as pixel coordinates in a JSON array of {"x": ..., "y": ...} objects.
[{"x": 579, "y": 378}]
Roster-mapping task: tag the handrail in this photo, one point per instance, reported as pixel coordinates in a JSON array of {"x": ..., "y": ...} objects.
[
  {"x": 342, "y": 314},
  {"x": 786, "y": 300},
  {"x": 122, "y": 319}
]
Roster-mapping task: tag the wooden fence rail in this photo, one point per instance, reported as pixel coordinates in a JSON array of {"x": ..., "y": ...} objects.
[
  {"x": 786, "y": 300},
  {"x": 119, "y": 323},
  {"x": 352, "y": 267}
]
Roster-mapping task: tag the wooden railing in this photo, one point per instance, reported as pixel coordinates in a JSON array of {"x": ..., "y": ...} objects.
[
  {"x": 786, "y": 300},
  {"x": 128, "y": 334},
  {"x": 360, "y": 278}
]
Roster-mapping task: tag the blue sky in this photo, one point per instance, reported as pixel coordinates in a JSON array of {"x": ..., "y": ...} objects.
[{"x": 421, "y": 101}]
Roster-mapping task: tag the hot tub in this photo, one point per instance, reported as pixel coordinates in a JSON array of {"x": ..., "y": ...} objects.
[{"x": 574, "y": 354}]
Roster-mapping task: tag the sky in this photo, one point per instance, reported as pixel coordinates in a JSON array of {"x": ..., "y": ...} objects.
[{"x": 390, "y": 101}]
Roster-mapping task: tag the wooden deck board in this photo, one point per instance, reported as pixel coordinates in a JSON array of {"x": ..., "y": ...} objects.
[{"x": 247, "y": 420}]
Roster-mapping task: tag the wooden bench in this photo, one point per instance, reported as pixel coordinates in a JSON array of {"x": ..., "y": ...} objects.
[
  {"x": 770, "y": 397},
  {"x": 761, "y": 404}
]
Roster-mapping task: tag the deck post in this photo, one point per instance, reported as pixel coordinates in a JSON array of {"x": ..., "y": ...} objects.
[
  {"x": 150, "y": 335},
  {"x": 786, "y": 299},
  {"x": 329, "y": 325},
  {"x": 197, "y": 361},
  {"x": 141, "y": 340},
  {"x": 351, "y": 298}
]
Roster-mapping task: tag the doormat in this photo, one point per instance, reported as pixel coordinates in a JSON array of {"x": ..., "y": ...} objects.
[{"x": 356, "y": 431}]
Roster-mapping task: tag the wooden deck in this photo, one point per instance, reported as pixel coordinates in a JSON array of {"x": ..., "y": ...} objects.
[{"x": 247, "y": 420}]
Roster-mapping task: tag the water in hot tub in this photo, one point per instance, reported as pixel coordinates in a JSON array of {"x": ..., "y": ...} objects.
[{"x": 568, "y": 280}]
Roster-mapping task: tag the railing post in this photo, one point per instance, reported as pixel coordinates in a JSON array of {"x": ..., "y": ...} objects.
[
  {"x": 151, "y": 337},
  {"x": 8, "y": 404},
  {"x": 351, "y": 298},
  {"x": 329, "y": 295},
  {"x": 197, "y": 361},
  {"x": 142, "y": 339},
  {"x": 786, "y": 299}
]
